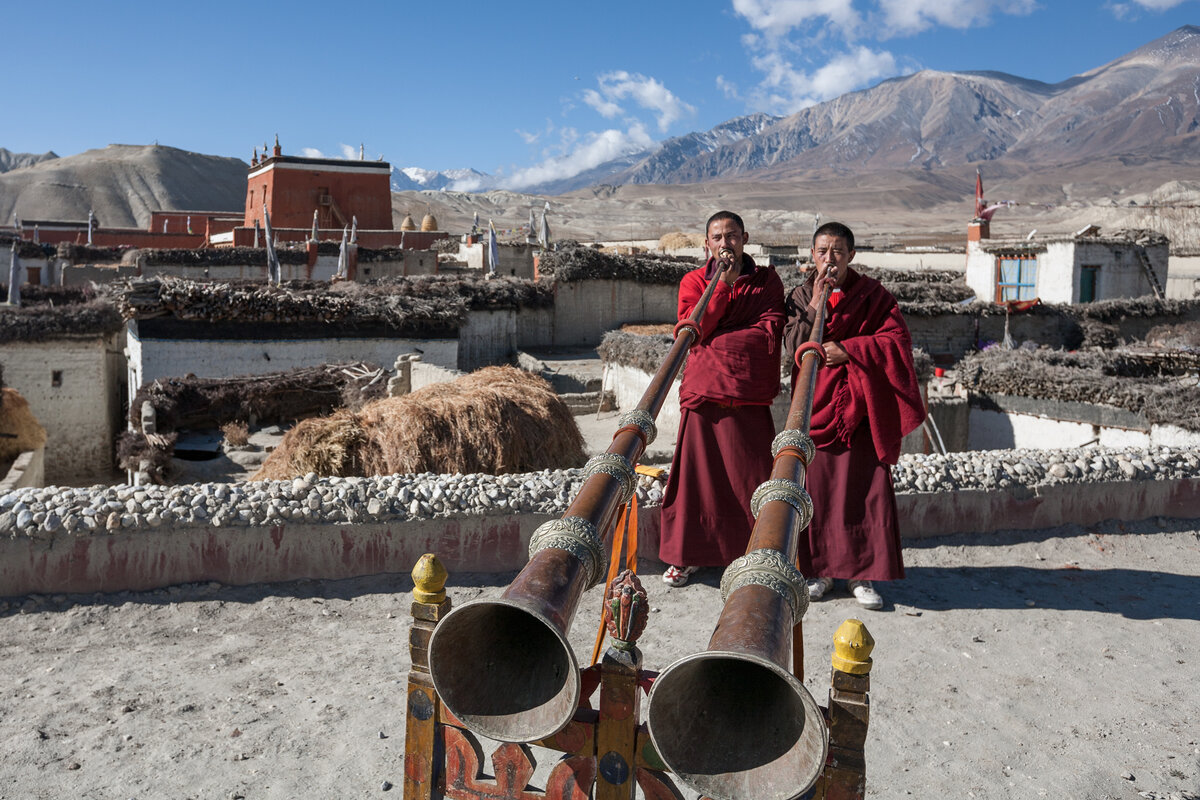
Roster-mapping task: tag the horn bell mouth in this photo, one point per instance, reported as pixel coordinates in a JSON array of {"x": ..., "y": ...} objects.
[
  {"x": 504, "y": 671},
  {"x": 735, "y": 726}
]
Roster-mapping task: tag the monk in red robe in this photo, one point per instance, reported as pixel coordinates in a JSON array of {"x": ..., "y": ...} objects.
[
  {"x": 723, "y": 449},
  {"x": 867, "y": 398}
]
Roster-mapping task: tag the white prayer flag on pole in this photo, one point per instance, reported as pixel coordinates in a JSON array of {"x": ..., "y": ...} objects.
[
  {"x": 343, "y": 267},
  {"x": 544, "y": 232},
  {"x": 274, "y": 270},
  {"x": 493, "y": 249},
  {"x": 14, "y": 275}
]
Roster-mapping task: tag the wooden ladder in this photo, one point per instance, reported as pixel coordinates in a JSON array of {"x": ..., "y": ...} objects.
[{"x": 1151, "y": 275}]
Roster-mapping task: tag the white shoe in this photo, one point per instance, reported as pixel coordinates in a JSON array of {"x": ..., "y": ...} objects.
[
  {"x": 678, "y": 576},
  {"x": 864, "y": 592},
  {"x": 817, "y": 587}
]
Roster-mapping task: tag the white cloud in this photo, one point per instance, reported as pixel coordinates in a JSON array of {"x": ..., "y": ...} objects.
[
  {"x": 595, "y": 149},
  {"x": 776, "y": 18},
  {"x": 311, "y": 152},
  {"x": 901, "y": 17},
  {"x": 1159, "y": 5},
  {"x": 647, "y": 93},
  {"x": 348, "y": 151},
  {"x": 787, "y": 89},
  {"x": 604, "y": 107}
]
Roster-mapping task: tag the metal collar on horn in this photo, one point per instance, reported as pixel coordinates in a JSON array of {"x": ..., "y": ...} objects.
[{"x": 769, "y": 568}]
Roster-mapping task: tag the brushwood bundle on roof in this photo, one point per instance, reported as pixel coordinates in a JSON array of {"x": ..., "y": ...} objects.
[
  {"x": 1121, "y": 379},
  {"x": 222, "y": 256},
  {"x": 56, "y": 312},
  {"x": 573, "y": 262},
  {"x": 76, "y": 253},
  {"x": 926, "y": 292},
  {"x": 648, "y": 351},
  {"x": 25, "y": 249},
  {"x": 415, "y": 306},
  {"x": 208, "y": 403},
  {"x": 640, "y": 351}
]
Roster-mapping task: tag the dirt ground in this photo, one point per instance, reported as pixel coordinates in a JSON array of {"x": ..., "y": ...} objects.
[{"x": 1058, "y": 663}]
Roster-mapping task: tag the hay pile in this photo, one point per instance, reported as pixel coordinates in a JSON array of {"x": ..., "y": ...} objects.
[
  {"x": 497, "y": 420},
  {"x": 23, "y": 430},
  {"x": 1123, "y": 380},
  {"x": 677, "y": 240}
]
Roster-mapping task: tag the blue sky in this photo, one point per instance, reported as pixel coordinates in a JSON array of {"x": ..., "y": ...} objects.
[{"x": 528, "y": 91}]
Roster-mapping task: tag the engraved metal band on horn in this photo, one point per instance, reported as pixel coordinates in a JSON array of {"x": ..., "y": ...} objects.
[
  {"x": 794, "y": 438},
  {"x": 771, "y": 569},
  {"x": 617, "y": 466},
  {"x": 642, "y": 420},
  {"x": 789, "y": 492},
  {"x": 578, "y": 537}
]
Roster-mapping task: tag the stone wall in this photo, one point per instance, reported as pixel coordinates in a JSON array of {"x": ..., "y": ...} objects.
[
  {"x": 585, "y": 310},
  {"x": 134, "y": 538}
]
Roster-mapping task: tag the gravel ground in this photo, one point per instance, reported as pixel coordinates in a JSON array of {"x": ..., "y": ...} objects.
[{"x": 1056, "y": 663}]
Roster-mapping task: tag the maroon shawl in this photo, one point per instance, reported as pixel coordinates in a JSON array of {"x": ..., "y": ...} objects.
[
  {"x": 737, "y": 361},
  {"x": 878, "y": 384}
]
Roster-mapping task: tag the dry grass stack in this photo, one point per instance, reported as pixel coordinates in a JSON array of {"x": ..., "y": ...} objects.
[
  {"x": 19, "y": 429},
  {"x": 497, "y": 420},
  {"x": 333, "y": 445}
]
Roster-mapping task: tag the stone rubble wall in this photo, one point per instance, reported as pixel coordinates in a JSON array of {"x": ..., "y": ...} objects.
[{"x": 63, "y": 540}]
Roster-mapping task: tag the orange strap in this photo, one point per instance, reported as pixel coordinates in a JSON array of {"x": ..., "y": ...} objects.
[{"x": 626, "y": 530}]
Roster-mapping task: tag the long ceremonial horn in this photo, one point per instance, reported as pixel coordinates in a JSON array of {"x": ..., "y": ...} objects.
[
  {"x": 733, "y": 722},
  {"x": 504, "y": 667}
]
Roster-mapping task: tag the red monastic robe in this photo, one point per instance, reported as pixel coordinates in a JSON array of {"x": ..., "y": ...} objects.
[
  {"x": 861, "y": 411},
  {"x": 723, "y": 449}
]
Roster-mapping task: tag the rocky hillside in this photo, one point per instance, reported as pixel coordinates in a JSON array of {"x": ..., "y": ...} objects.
[
  {"x": 122, "y": 184},
  {"x": 1145, "y": 104}
]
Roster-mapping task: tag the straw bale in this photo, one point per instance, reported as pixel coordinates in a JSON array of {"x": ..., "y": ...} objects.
[
  {"x": 17, "y": 419},
  {"x": 648, "y": 328},
  {"x": 333, "y": 445}
]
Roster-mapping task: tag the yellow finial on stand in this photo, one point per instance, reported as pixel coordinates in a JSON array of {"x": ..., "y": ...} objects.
[
  {"x": 429, "y": 580},
  {"x": 852, "y": 646}
]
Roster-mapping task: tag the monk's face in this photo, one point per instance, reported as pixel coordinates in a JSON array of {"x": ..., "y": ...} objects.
[
  {"x": 835, "y": 252},
  {"x": 725, "y": 233}
]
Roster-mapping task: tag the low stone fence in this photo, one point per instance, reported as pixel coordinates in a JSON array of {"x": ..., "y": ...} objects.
[{"x": 60, "y": 540}]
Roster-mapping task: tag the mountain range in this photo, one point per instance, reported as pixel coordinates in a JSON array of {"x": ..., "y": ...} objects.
[{"x": 1129, "y": 125}]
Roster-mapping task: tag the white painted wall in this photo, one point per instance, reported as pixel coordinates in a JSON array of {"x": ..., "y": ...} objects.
[
  {"x": 981, "y": 272},
  {"x": 994, "y": 430},
  {"x": 628, "y": 384},
  {"x": 81, "y": 415},
  {"x": 1183, "y": 282},
  {"x": 151, "y": 359}
]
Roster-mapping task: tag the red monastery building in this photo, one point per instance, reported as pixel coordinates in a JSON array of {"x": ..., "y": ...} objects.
[{"x": 343, "y": 193}]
